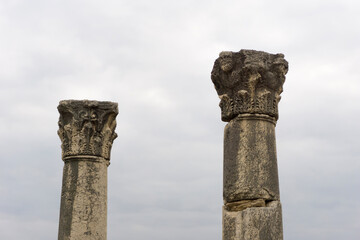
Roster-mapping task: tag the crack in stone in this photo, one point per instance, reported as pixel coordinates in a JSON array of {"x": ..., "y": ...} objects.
[{"x": 244, "y": 204}]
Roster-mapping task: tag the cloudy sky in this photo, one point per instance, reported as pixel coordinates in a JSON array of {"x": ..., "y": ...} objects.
[{"x": 154, "y": 58}]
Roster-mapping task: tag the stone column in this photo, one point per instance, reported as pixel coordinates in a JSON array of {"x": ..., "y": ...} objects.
[
  {"x": 249, "y": 84},
  {"x": 87, "y": 131}
]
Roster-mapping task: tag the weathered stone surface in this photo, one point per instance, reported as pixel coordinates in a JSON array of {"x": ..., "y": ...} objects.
[
  {"x": 83, "y": 210},
  {"x": 257, "y": 223},
  {"x": 87, "y": 127},
  {"x": 250, "y": 165},
  {"x": 249, "y": 81},
  {"x": 87, "y": 131}
]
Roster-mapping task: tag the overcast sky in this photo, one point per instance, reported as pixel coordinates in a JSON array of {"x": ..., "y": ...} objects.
[{"x": 154, "y": 58}]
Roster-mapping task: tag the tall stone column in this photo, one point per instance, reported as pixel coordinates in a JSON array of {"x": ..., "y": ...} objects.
[
  {"x": 249, "y": 84},
  {"x": 87, "y": 131}
]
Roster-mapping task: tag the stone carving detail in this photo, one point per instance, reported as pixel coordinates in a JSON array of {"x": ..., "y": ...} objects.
[
  {"x": 87, "y": 127},
  {"x": 249, "y": 82}
]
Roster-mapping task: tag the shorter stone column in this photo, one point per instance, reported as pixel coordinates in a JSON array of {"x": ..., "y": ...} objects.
[
  {"x": 87, "y": 131},
  {"x": 249, "y": 84}
]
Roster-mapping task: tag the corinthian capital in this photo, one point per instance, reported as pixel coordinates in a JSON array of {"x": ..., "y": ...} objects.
[
  {"x": 249, "y": 82},
  {"x": 87, "y": 128}
]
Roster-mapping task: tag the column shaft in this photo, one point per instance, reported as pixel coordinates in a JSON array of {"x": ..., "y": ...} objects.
[
  {"x": 250, "y": 166},
  {"x": 252, "y": 208},
  {"x": 83, "y": 210}
]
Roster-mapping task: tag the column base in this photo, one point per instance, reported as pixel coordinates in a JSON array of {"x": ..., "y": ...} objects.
[{"x": 255, "y": 223}]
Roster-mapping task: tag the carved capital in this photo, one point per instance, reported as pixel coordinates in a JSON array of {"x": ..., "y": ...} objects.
[
  {"x": 249, "y": 82},
  {"x": 87, "y": 128}
]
